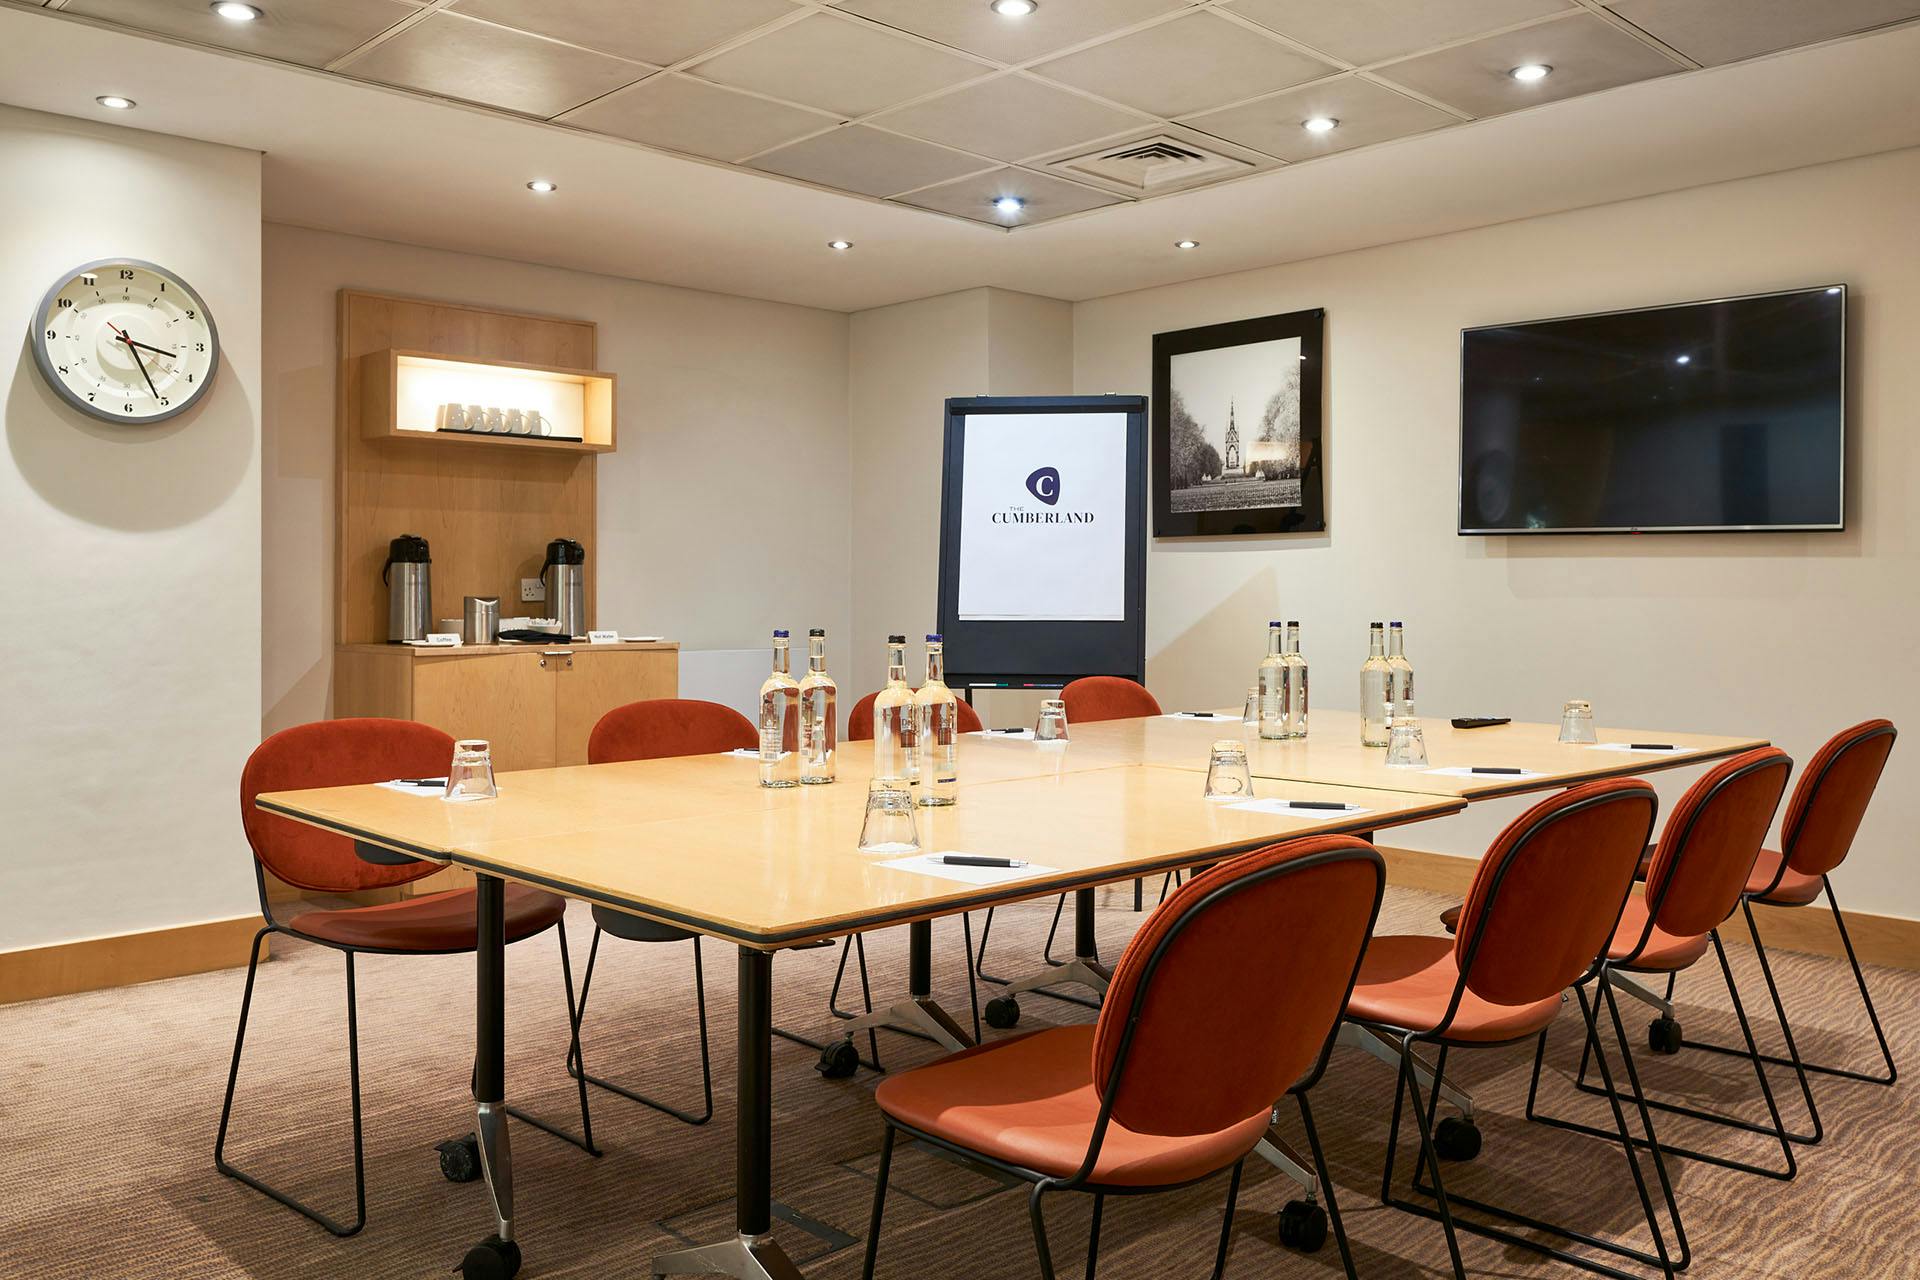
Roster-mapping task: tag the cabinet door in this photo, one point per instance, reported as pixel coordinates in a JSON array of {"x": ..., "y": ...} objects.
[
  {"x": 596, "y": 680},
  {"x": 506, "y": 698}
]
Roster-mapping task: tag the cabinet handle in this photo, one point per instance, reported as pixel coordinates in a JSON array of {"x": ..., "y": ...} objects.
[{"x": 557, "y": 653}]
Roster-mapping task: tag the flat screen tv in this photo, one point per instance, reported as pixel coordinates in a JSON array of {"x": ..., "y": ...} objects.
[{"x": 1721, "y": 415}]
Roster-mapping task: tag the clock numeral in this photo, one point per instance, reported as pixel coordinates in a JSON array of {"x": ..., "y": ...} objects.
[
  {"x": 164, "y": 402},
  {"x": 63, "y": 369},
  {"x": 89, "y": 397},
  {"x": 198, "y": 346},
  {"x": 64, "y": 303},
  {"x": 126, "y": 275},
  {"x": 163, "y": 286},
  {"x": 189, "y": 377},
  {"x": 190, "y": 315},
  {"x": 127, "y": 407},
  {"x": 51, "y": 335}
]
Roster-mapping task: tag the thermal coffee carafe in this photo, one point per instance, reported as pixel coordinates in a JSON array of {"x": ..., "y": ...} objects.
[
  {"x": 567, "y": 593},
  {"x": 408, "y": 575}
]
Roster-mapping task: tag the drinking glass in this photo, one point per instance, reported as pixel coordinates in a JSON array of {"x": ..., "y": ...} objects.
[
  {"x": 1576, "y": 722},
  {"x": 1250, "y": 717},
  {"x": 471, "y": 777},
  {"x": 889, "y": 825},
  {"x": 1406, "y": 744},
  {"x": 1227, "y": 776},
  {"x": 1052, "y": 725}
]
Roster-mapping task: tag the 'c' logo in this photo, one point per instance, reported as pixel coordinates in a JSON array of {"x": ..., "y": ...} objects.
[{"x": 1044, "y": 484}]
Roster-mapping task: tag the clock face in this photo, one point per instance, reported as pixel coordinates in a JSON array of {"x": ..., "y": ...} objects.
[{"x": 126, "y": 341}]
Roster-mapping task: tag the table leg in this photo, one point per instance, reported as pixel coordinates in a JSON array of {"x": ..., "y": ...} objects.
[
  {"x": 497, "y": 1256},
  {"x": 1085, "y": 967},
  {"x": 752, "y": 1254},
  {"x": 919, "y": 1011}
]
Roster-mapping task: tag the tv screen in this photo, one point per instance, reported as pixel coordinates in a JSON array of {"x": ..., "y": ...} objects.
[{"x": 1704, "y": 415}]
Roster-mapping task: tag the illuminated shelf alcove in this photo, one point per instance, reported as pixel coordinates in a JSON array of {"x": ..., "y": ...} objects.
[{"x": 405, "y": 394}]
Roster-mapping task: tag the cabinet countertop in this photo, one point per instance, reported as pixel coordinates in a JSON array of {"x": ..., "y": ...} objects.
[{"x": 441, "y": 651}]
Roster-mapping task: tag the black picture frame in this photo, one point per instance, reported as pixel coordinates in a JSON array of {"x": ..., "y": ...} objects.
[{"x": 1309, "y": 515}]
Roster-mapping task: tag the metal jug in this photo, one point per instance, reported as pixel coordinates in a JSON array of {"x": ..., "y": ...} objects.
[
  {"x": 567, "y": 593},
  {"x": 408, "y": 574}
]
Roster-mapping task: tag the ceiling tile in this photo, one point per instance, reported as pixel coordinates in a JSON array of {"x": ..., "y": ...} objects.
[
  {"x": 1189, "y": 64},
  {"x": 868, "y": 161},
  {"x": 684, "y": 114},
  {"x": 1045, "y": 197},
  {"x": 313, "y": 32},
  {"x": 1367, "y": 113},
  {"x": 1717, "y": 31},
  {"x": 657, "y": 31},
  {"x": 1364, "y": 31},
  {"x": 460, "y": 58},
  {"x": 838, "y": 64},
  {"x": 1587, "y": 54},
  {"x": 1155, "y": 161},
  {"x": 1010, "y": 118},
  {"x": 972, "y": 25}
]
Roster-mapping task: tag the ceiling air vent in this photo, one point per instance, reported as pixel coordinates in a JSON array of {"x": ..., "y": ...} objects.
[{"x": 1148, "y": 166}]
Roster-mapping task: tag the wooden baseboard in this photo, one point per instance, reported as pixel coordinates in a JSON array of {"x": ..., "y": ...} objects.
[
  {"x": 91, "y": 964},
  {"x": 1885, "y": 940}
]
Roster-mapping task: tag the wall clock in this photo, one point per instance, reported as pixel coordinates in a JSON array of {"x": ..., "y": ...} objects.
[{"x": 126, "y": 341}]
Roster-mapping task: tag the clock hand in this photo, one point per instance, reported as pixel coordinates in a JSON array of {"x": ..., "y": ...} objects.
[
  {"x": 132, "y": 342},
  {"x": 143, "y": 372}
]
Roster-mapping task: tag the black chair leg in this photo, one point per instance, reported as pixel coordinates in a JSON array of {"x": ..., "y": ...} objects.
[
  {"x": 1427, "y": 1153},
  {"x": 1040, "y": 1231},
  {"x": 1326, "y": 1186},
  {"x": 1226, "y": 1222},
  {"x": 353, "y": 1071},
  {"x": 576, "y": 1058},
  {"x": 879, "y": 1204},
  {"x": 1873, "y": 1016},
  {"x": 1093, "y": 1235}
]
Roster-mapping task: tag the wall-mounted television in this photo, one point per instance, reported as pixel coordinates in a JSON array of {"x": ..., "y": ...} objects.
[{"x": 1719, "y": 415}]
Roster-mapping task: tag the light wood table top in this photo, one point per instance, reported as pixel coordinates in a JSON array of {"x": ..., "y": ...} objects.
[{"x": 1331, "y": 753}]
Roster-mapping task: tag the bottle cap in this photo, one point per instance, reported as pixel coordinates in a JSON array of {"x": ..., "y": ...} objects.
[
  {"x": 1376, "y": 625},
  {"x": 1393, "y": 624},
  {"x": 1276, "y": 624},
  {"x": 896, "y": 639},
  {"x": 1293, "y": 622},
  {"x": 779, "y": 634},
  {"x": 817, "y": 631},
  {"x": 934, "y": 638}
]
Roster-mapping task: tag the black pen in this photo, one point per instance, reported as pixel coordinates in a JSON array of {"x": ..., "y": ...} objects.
[
  {"x": 1006, "y": 731},
  {"x": 1495, "y": 768},
  {"x": 1204, "y": 715},
  {"x": 1650, "y": 746},
  {"x": 971, "y": 860},
  {"x": 1316, "y": 804}
]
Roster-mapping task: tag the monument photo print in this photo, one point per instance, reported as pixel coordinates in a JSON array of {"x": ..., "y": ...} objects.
[{"x": 1237, "y": 427}]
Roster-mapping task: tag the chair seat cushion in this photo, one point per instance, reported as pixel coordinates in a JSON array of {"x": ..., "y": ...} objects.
[
  {"x": 436, "y": 922},
  {"x": 1029, "y": 1101},
  {"x": 1664, "y": 953},
  {"x": 637, "y": 928},
  {"x": 1795, "y": 888},
  {"x": 1406, "y": 981}
]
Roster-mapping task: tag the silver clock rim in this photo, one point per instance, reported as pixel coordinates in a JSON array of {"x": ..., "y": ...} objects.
[{"x": 49, "y": 373}]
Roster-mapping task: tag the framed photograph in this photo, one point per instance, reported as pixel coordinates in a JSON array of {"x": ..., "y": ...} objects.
[{"x": 1237, "y": 426}]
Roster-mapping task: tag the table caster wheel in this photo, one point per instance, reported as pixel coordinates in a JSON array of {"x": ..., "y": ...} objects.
[
  {"x": 1457, "y": 1138},
  {"x": 1663, "y": 1036},
  {"x": 838, "y": 1060},
  {"x": 1303, "y": 1226},
  {"x": 491, "y": 1259},
  {"x": 1003, "y": 1012},
  {"x": 460, "y": 1159}
]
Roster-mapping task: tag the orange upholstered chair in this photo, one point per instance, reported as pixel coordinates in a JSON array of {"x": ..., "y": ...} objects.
[
  {"x": 1223, "y": 1003},
  {"x": 1092, "y": 698},
  {"x": 860, "y": 719},
  {"x": 335, "y": 753},
  {"x": 654, "y": 730},
  {"x": 1543, "y": 908}
]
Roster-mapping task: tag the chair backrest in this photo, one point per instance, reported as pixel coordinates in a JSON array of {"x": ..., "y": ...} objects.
[
  {"x": 1093, "y": 698},
  {"x": 661, "y": 727},
  {"x": 1549, "y": 892},
  {"x": 334, "y": 753},
  {"x": 1228, "y": 994},
  {"x": 1712, "y": 839},
  {"x": 860, "y": 719},
  {"x": 1831, "y": 799}
]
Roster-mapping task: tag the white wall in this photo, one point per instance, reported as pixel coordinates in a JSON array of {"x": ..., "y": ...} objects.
[
  {"x": 130, "y": 678},
  {"x": 722, "y": 514},
  {"x": 1790, "y": 636}
]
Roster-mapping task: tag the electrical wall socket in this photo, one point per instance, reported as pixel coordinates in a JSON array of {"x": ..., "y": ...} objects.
[{"x": 532, "y": 590}]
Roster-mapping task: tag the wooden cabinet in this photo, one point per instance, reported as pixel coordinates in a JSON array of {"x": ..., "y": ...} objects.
[{"x": 537, "y": 706}]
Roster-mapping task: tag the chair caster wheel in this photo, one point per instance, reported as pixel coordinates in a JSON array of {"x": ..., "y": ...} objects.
[
  {"x": 838, "y": 1061},
  {"x": 1003, "y": 1012},
  {"x": 491, "y": 1259},
  {"x": 460, "y": 1159},
  {"x": 1303, "y": 1226},
  {"x": 1663, "y": 1036},
  {"x": 1457, "y": 1138}
]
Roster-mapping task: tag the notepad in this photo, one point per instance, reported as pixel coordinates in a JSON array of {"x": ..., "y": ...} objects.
[
  {"x": 437, "y": 792},
  {"x": 1286, "y": 808},
  {"x": 1468, "y": 771},
  {"x": 1639, "y": 750},
  {"x": 745, "y": 753},
  {"x": 929, "y": 864},
  {"x": 1225, "y": 717},
  {"x": 1003, "y": 735}
]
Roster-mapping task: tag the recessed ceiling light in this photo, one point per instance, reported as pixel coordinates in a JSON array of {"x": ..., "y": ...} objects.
[
  {"x": 235, "y": 12},
  {"x": 542, "y": 186},
  {"x": 1320, "y": 124},
  {"x": 114, "y": 102},
  {"x": 841, "y": 245},
  {"x": 1528, "y": 72},
  {"x": 1009, "y": 205},
  {"x": 1186, "y": 244},
  {"x": 1014, "y": 8},
  {"x": 1683, "y": 359}
]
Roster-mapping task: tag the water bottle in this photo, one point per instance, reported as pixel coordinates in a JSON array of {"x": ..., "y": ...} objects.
[
  {"x": 1375, "y": 678},
  {"x": 1273, "y": 681},
  {"x": 779, "y": 722},
  {"x": 936, "y": 730},
  {"x": 893, "y": 720},
  {"x": 819, "y": 714},
  {"x": 1296, "y": 684}
]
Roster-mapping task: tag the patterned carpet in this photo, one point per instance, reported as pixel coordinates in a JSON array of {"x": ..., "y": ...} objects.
[{"x": 111, "y": 1101}]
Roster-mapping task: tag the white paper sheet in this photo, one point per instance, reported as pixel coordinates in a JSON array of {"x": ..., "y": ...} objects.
[
  {"x": 1285, "y": 807},
  {"x": 745, "y": 753},
  {"x": 437, "y": 792},
  {"x": 929, "y": 864},
  {"x": 1467, "y": 771},
  {"x": 1628, "y": 746},
  {"x": 1004, "y": 735},
  {"x": 1214, "y": 717}
]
